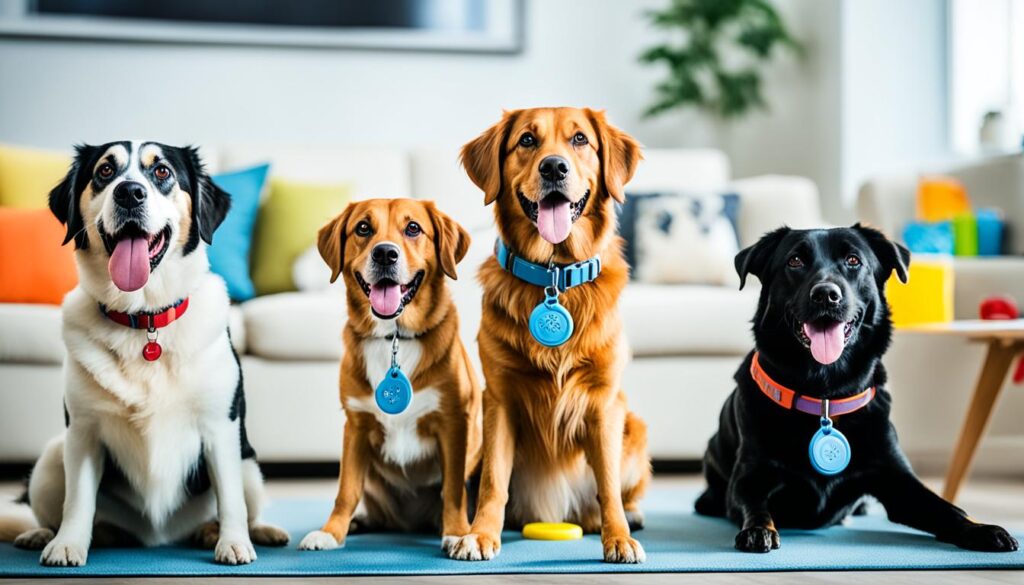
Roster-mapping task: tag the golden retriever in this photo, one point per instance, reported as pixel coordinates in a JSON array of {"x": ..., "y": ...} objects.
[{"x": 559, "y": 441}]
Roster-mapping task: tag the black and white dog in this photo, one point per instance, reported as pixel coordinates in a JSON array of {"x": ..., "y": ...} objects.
[{"x": 155, "y": 449}]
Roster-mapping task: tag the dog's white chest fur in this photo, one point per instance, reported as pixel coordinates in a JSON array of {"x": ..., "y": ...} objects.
[{"x": 402, "y": 442}]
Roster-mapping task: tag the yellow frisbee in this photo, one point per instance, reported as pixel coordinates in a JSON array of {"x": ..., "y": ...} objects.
[{"x": 552, "y": 531}]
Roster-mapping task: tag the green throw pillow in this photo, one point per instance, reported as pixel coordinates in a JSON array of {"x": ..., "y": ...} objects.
[{"x": 287, "y": 225}]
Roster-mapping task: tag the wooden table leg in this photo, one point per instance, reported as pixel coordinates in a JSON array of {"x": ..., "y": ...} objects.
[{"x": 993, "y": 374}]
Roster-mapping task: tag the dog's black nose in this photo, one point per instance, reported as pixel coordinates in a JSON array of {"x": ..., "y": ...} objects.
[
  {"x": 826, "y": 293},
  {"x": 129, "y": 194},
  {"x": 385, "y": 254},
  {"x": 554, "y": 168}
]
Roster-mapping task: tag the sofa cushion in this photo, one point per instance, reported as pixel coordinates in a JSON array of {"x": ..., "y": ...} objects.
[
  {"x": 31, "y": 334},
  {"x": 663, "y": 320},
  {"x": 287, "y": 224},
  {"x": 28, "y": 174},
  {"x": 34, "y": 266},
  {"x": 295, "y": 326},
  {"x": 229, "y": 252},
  {"x": 660, "y": 320}
]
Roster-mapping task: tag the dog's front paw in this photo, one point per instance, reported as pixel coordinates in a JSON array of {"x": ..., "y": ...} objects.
[
  {"x": 475, "y": 547},
  {"x": 35, "y": 539},
  {"x": 234, "y": 551},
  {"x": 319, "y": 540},
  {"x": 985, "y": 538},
  {"x": 757, "y": 539},
  {"x": 623, "y": 549},
  {"x": 63, "y": 553}
]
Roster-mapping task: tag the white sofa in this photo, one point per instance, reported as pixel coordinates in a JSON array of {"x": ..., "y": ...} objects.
[
  {"x": 687, "y": 340},
  {"x": 932, "y": 377}
]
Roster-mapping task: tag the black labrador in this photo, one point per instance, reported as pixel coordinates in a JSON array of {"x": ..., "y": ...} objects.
[{"x": 821, "y": 328}]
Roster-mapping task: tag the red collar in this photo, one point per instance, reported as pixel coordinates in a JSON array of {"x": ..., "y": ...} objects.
[
  {"x": 148, "y": 321},
  {"x": 789, "y": 399}
]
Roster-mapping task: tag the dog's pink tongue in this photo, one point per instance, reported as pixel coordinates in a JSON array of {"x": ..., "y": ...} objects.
[
  {"x": 129, "y": 264},
  {"x": 385, "y": 298},
  {"x": 827, "y": 341},
  {"x": 554, "y": 220}
]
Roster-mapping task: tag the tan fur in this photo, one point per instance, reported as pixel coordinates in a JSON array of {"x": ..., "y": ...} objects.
[
  {"x": 551, "y": 412},
  {"x": 410, "y": 496},
  {"x": 10, "y": 528}
]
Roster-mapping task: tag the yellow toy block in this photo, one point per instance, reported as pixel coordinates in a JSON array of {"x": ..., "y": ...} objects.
[
  {"x": 927, "y": 297},
  {"x": 941, "y": 199}
]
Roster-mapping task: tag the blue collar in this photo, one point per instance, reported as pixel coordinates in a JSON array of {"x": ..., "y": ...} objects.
[{"x": 563, "y": 276}]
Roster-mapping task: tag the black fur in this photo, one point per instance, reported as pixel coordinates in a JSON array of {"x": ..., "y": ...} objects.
[
  {"x": 64, "y": 198},
  {"x": 238, "y": 408},
  {"x": 210, "y": 203},
  {"x": 757, "y": 466}
]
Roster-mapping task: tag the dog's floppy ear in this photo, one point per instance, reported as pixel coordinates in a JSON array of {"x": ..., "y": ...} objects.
[
  {"x": 754, "y": 259},
  {"x": 620, "y": 154},
  {"x": 210, "y": 203},
  {"x": 331, "y": 242},
  {"x": 891, "y": 255},
  {"x": 64, "y": 197},
  {"x": 450, "y": 239},
  {"x": 483, "y": 157}
]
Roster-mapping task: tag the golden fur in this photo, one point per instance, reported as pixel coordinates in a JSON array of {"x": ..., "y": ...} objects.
[
  {"x": 429, "y": 492},
  {"x": 556, "y": 423}
]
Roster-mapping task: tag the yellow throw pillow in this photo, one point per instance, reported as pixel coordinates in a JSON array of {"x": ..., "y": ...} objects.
[
  {"x": 287, "y": 225},
  {"x": 27, "y": 175}
]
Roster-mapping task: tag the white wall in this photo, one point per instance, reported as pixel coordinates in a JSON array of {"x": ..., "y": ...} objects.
[
  {"x": 894, "y": 88},
  {"x": 799, "y": 133},
  {"x": 577, "y": 52},
  {"x": 864, "y": 98}
]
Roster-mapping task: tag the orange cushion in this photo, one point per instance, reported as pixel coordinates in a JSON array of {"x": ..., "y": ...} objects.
[{"x": 34, "y": 267}]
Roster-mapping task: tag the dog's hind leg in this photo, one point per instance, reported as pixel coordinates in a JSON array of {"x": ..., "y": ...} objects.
[{"x": 636, "y": 470}]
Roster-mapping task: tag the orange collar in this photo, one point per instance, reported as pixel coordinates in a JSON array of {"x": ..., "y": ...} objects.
[{"x": 790, "y": 400}]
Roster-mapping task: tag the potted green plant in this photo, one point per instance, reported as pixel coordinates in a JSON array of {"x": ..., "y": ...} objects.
[{"x": 715, "y": 53}]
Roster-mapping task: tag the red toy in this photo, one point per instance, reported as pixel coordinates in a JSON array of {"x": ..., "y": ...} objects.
[{"x": 1003, "y": 307}]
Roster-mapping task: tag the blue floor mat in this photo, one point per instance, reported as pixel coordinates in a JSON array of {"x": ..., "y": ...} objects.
[{"x": 675, "y": 539}]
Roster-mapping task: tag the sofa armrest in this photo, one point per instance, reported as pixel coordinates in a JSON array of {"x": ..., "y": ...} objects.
[
  {"x": 888, "y": 203},
  {"x": 771, "y": 201}
]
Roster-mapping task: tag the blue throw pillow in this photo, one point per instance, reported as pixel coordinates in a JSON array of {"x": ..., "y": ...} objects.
[{"x": 229, "y": 254}]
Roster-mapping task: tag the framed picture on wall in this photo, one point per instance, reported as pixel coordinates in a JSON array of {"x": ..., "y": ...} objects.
[{"x": 493, "y": 26}]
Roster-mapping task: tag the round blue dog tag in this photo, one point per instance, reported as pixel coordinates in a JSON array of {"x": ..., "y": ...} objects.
[
  {"x": 829, "y": 450},
  {"x": 550, "y": 323},
  {"x": 394, "y": 393}
]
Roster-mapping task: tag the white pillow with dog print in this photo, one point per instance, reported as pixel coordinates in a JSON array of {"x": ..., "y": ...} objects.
[{"x": 681, "y": 238}]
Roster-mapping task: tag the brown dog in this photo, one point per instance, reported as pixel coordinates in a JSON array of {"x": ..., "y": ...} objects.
[
  {"x": 549, "y": 412},
  {"x": 409, "y": 469}
]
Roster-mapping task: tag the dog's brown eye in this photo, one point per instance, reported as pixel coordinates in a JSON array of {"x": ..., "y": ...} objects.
[
  {"x": 795, "y": 262},
  {"x": 413, "y": 229},
  {"x": 162, "y": 172},
  {"x": 363, "y": 229},
  {"x": 105, "y": 171},
  {"x": 580, "y": 139},
  {"x": 852, "y": 261},
  {"x": 527, "y": 140}
]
